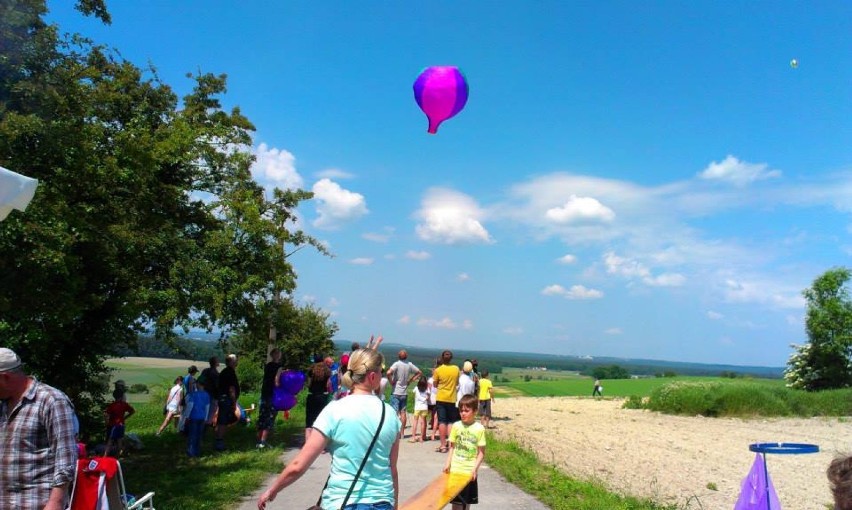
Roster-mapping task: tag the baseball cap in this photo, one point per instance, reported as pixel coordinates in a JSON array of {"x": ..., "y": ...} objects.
[
  {"x": 8, "y": 359},
  {"x": 192, "y": 369}
]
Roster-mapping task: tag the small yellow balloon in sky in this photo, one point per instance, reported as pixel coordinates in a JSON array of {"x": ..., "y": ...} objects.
[{"x": 794, "y": 63}]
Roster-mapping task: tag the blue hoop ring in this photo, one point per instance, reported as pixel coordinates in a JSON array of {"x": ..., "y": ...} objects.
[{"x": 784, "y": 448}]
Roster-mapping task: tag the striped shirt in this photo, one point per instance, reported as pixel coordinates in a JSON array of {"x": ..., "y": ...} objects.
[{"x": 37, "y": 447}]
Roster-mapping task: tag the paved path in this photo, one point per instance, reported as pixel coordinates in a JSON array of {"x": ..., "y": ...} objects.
[{"x": 418, "y": 465}]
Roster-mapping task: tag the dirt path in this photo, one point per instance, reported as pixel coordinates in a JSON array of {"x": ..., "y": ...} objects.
[{"x": 673, "y": 459}]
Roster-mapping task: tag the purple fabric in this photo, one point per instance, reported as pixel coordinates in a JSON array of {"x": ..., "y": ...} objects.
[
  {"x": 441, "y": 92},
  {"x": 753, "y": 495}
]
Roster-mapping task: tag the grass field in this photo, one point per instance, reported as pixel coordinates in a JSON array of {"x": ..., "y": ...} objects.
[
  {"x": 570, "y": 384},
  {"x": 152, "y": 372}
]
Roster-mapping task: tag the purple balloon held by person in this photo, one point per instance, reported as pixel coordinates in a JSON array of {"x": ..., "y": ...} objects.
[
  {"x": 292, "y": 381},
  {"x": 441, "y": 92}
]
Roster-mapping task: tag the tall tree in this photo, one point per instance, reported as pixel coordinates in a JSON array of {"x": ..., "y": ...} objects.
[
  {"x": 146, "y": 215},
  {"x": 824, "y": 361}
]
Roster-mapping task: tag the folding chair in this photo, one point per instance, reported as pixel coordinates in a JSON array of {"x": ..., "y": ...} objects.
[{"x": 99, "y": 485}]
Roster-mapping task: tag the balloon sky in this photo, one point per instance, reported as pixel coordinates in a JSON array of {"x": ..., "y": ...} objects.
[{"x": 637, "y": 179}]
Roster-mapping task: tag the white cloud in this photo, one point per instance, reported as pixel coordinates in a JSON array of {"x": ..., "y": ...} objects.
[
  {"x": 665, "y": 280},
  {"x": 405, "y": 319},
  {"x": 613, "y": 331},
  {"x": 575, "y": 292},
  {"x": 631, "y": 268},
  {"x": 361, "y": 261},
  {"x": 737, "y": 172},
  {"x": 379, "y": 237},
  {"x": 336, "y": 205},
  {"x": 463, "y": 277},
  {"x": 417, "y": 255},
  {"x": 513, "y": 330},
  {"x": 333, "y": 302},
  {"x": 765, "y": 292},
  {"x": 578, "y": 209},
  {"x": 334, "y": 174},
  {"x": 276, "y": 167},
  {"x": 714, "y": 315},
  {"x": 450, "y": 217},
  {"x": 467, "y": 324},
  {"x": 443, "y": 323},
  {"x": 567, "y": 259}
]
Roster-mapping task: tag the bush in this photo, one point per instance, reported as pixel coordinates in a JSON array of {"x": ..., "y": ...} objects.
[
  {"x": 138, "y": 388},
  {"x": 250, "y": 375},
  {"x": 634, "y": 402},
  {"x": 746, "y": 399}
]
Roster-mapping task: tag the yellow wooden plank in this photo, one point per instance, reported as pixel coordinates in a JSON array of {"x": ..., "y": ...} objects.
[{"x": 438, "y": 493}]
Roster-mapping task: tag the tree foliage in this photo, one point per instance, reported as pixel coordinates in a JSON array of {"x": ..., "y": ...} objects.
[
  {"x": 824, "y": 361},
  {"x": 146, "y": 216},
  {"x": 610, "y": 372}
]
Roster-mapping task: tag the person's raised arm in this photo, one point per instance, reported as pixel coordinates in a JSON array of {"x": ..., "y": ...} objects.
[{"x": 374, "y": 344}]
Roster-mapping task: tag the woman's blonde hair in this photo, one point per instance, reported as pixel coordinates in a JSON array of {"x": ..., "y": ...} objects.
[{"x": 362, "y": 362}]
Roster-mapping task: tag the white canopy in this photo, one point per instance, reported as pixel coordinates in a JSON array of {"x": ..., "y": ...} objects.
[{"x": 16, "y": 191}]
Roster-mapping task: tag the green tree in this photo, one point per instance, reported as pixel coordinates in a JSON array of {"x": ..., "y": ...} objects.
[
  {"x": 146, "y": 216},
  {"x": 610, "y": 372},
  {"x": 824, "y": 361}
]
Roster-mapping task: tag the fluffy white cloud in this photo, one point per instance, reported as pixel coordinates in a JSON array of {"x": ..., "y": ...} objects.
[
  {"x": 575, "y": 292},
  {"x": 417, "y": 255},
  {"x": 276, "y": 167},
  {"x": 631, "y": 268},
  {"x": 567, "y": 259},
  {"x": 336, "y": 205},
  {"x": 714, "y": 315},
  {"x": 513, "y": 330},
  {"x": 613, "y": 331},
  {"x": 737, "y": 172},
  {"x": 578, "y": 209},
  {"x": 361, "y": 261},
  {"x": 463, "y": 277},
  {"x": 405, "y": 319},
  {"x": 449, "y": 217}
]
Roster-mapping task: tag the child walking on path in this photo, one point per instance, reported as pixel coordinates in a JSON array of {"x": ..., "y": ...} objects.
[
  {"x": 421, "y": 411},
  {"x": 116, "y": 414},
  {"x": 467, "y": 451},
  {"x": 486, "y": 398}
]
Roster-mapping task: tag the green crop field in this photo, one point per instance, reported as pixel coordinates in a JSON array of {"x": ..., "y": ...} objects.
[{"x": 554, "y": 384}]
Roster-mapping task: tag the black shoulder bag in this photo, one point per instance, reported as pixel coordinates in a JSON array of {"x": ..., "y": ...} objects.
[{"x": 360, "y": 468}]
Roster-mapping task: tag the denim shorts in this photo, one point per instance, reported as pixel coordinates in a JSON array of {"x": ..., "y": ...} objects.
[
  {"x": 381, "y": 505},
  {"x": 398, "y": 402}
]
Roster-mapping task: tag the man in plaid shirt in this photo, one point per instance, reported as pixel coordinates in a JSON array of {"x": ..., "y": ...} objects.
[{"x": 38, "y": 453}]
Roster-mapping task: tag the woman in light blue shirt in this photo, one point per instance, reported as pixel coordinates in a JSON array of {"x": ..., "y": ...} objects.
[{"x": 346, "y": 428}]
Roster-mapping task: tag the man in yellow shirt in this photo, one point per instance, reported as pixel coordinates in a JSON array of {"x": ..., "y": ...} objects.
[{"x": 446, "y": 379}]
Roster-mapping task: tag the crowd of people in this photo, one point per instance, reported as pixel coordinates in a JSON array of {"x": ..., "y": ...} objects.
[
  {"x": 346, "y": 416},
  {"x": 351, "y": 420}
]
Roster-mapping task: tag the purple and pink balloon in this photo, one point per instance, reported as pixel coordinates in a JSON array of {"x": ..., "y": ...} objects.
[{"x": 441, "y": 92}]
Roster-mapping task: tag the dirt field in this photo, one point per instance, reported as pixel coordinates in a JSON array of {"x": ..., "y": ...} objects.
[{"x": 673, "y": 459}]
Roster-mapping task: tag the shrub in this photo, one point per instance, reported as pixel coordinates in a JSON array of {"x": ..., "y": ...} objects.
[
  {"x": 634, "y": 402},
  {"x": 745, "y": 399},
  {"x": 250, "y": 375},
  {"x": 138, "y": 388}
]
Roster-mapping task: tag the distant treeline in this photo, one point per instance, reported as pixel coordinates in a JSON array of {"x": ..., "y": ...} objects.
[
  {"x": 189, "y": 348},
  {"x": 200, "y": 346}
]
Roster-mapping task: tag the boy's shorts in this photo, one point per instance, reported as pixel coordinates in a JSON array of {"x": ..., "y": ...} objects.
[
  {"x": 485, "y": 408},
  {"x": 398, "y": 402},
  {"x": 469, "y": 495},
  {"x": 422, "y": 412},
  {"x": 116, "y": 432}
]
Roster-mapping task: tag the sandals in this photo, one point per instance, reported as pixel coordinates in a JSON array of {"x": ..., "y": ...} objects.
[{"x": 442, "y": 449}]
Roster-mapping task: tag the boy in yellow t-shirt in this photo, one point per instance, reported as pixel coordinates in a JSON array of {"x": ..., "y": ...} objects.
[
  {"x": 467, "y": 451},
  {"x": 486, "y": 397}
]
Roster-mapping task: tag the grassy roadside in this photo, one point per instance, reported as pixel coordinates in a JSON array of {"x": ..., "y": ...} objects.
[{"x": 552, "y": 487}]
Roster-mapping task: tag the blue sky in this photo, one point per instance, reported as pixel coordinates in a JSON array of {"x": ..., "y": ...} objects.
[{"x": 636, "y": 179}]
